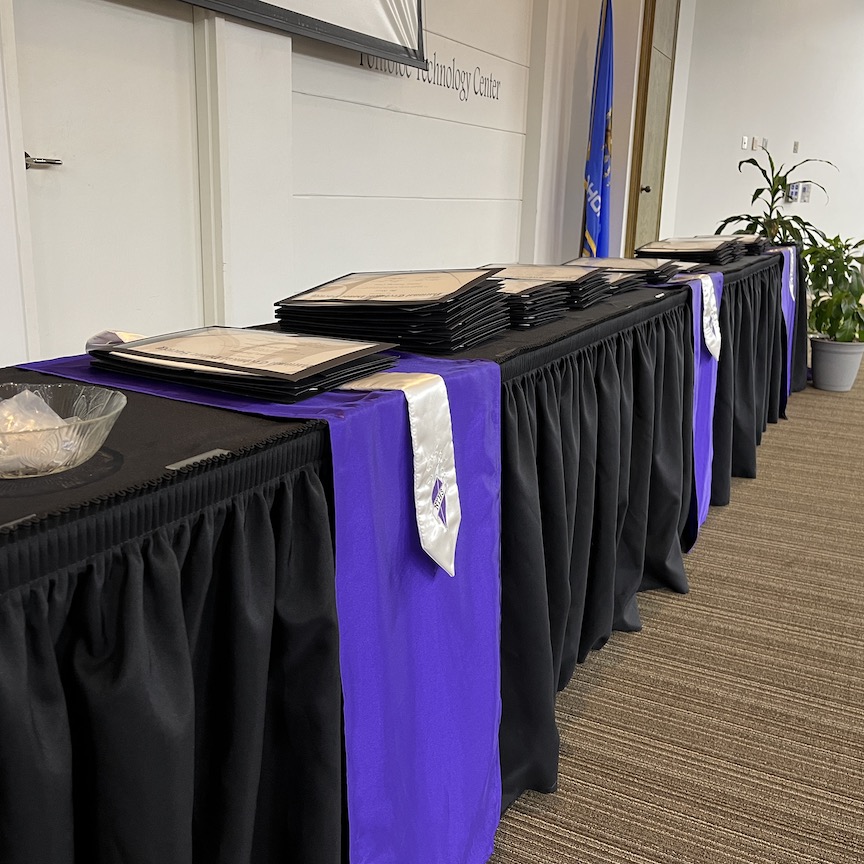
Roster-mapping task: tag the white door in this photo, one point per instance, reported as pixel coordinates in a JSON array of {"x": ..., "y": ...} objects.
[{"x": 108, "y": 87}]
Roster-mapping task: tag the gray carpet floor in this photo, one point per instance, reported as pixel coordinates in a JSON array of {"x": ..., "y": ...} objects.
[{"x": 730, "y": 730}]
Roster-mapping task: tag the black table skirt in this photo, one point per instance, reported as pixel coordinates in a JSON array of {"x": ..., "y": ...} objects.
[
  {"x": 596, "y": 484},
  {"x": 750, "y": 380},
  {"x": 169, "y": 677}
]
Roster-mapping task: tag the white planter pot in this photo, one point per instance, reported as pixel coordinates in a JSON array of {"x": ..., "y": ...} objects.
[{"x": 835, "y": 364}]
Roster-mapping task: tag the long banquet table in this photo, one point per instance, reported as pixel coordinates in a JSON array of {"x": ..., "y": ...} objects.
[{"x": 597, "y": 477}]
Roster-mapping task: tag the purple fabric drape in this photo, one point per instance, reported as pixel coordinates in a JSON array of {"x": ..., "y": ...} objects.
[
  {"x": 704, "y": 392},
  {"x": 787, "y": 303},
  {"x": 419, "y": 650}
]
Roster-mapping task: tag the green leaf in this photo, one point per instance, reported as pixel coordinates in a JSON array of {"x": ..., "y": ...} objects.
[
  {"x": 846, "y": 332},
  {"x": 731, "y": 220},
  {"x": 837, "y": 286},
  {"x": 805, "y": 161},
  {"x": 849, "y": 307},
  {"x": 756, "y": 165},
  {"x": 756, "y": 194}
]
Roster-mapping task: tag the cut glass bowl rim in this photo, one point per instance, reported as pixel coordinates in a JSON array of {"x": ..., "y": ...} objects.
[{"x": 117, "y": 396}]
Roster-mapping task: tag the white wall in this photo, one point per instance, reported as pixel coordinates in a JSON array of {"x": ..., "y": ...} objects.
[
  {"x": 785, "y": 70},
  {"x": 257, "y": 174},
  {"x": 392, "y": 170},
  {"x": 548, "y": 151}
]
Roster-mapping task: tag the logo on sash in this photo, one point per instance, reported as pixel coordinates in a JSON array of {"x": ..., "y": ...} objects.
[{"x": 439, "y": 500}]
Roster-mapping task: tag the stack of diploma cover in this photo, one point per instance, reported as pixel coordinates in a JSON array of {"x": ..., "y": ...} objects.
[
  {"x": 685, "y": 267},
  {"x": 591, "y": 286},
  {"x": 583, "y": 286},
  {"x": 279, "y": 367},
  {"x": 716, "y": 249},
  {"x": 625, "y": 280},
  {"x": 431, "y": 311},
  {"x": 533, "y": 302},
  {"x": 754, "y": 244}
]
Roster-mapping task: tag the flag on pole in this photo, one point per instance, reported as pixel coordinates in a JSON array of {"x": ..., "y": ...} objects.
[{"x": 598, "y": 163}]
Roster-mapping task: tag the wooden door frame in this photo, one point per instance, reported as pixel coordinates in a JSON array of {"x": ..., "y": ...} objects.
[{"x": 645, "y": 54}]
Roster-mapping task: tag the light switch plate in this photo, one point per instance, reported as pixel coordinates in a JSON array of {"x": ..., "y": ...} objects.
[{"x": 745, "y": 142}]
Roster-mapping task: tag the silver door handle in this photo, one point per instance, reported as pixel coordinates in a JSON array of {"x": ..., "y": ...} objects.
[{"x": 38, "y": 161}]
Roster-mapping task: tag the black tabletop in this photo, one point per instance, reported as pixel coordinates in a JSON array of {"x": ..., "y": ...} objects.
[
  {"x": 518, "y": 351},
  {"x": 150, "y": 434}
]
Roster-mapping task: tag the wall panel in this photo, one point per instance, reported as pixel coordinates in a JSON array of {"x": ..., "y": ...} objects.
[
  {"x": 502, "y": 28},
  {"x": 425, "y": 157},
  {"x": 397, "y": 168},
  {"x": 348, "y": 76},
  {"x": 359, "y": 234},
  {"x": 785, "y": 70}
]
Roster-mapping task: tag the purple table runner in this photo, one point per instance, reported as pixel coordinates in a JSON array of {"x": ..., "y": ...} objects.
[
  {"x": 789, "y": 298},
  {"x": 704, "y": 392},
  {"x": 419, "y": 650}
]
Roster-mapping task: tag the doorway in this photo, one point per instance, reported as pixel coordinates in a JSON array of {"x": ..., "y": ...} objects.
[{"x": 107, "y": 88}]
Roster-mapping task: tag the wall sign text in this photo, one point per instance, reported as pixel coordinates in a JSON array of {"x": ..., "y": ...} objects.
[{"x": 475, "y": 83}]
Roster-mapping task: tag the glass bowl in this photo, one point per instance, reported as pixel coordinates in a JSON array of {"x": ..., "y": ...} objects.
[{"x": 90, "y": 413}]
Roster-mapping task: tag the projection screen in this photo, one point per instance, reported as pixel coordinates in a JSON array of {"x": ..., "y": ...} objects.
[{"x": 386, "y": 28}]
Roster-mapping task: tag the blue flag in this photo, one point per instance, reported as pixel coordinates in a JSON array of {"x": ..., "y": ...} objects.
[{"x": 598, "y": 164}]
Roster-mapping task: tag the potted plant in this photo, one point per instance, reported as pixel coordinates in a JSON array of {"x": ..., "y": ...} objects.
[
  {"x": 773, "y": 223},
  {"x": 836, "y": 314}
]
